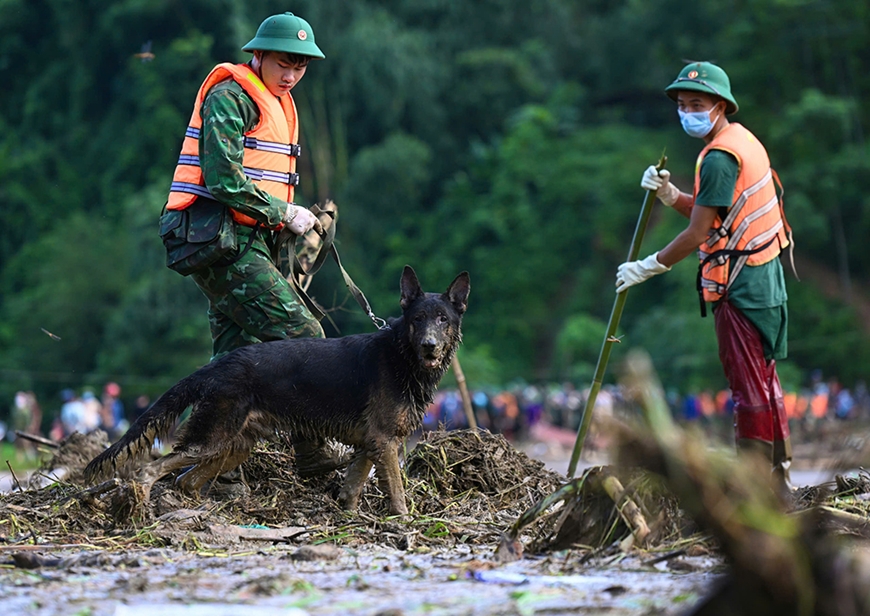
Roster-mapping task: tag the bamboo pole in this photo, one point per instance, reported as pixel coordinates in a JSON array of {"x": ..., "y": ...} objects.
[
  {"x": 612, "y": 326},
  {"x": 627, "y": 509},
  {"x": 463, "y": 391}
]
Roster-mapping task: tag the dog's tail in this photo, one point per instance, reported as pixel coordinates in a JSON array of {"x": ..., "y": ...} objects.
[{"x": 155, "y": 423}]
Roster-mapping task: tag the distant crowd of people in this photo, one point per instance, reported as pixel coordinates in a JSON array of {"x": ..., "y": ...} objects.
[
  {"x": 511, "y": 411},
  {"x": 80, "y": 411},
  {"x": 24, "y": 416},
  {"x": 821, "y": 400},
  {"x": 86, "y": 412},
  {"x": 514, "y": 411}
]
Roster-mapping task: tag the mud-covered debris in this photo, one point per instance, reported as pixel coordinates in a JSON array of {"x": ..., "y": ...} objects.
[
  {"x": 183, "y": 518},
  {"x": 316, "y": 552},
  {"x": 34, "y": 560},
  {"x": 847, "y": 485},
  {"x": 464, "y": 460},
  {"x": 462, "y": 487},
  {"x": 29, "y": 560},
  {"x": 259, "y": 534},
  {"x": 267, "y": 586},
  {"x": 605, "y": 509},
  {"x": 69, "y": 460}
]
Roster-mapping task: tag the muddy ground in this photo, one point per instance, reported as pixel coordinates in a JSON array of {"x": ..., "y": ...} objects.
[
  {"x": 286, "y": 548},
  {"x": 368, "y": 579}
]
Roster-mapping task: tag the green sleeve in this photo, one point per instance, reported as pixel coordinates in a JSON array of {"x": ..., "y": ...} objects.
[
  {"x": 227, "y": 113},
  {"x": 719, "y": 171}
]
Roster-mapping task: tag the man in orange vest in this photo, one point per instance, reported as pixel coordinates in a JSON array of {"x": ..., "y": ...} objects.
[
  {"x": 735, "y": 217},
  {"x": 240, "y": 150}
]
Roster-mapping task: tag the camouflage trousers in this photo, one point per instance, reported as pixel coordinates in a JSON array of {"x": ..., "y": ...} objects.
[{"x": 250, "y": 301}]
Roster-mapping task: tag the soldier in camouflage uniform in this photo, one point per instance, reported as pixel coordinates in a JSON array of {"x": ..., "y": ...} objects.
[{"x": 250, "y": 301}]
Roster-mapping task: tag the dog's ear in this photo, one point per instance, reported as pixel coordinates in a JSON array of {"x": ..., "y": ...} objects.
[
  {"x": 457, "y": 292},
  {"x": 411, "y": 289}
]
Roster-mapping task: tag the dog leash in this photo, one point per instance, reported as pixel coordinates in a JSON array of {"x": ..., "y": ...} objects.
[{"x": 327, "y": 248}]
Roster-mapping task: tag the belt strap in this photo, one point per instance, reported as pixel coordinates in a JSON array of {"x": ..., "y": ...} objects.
[
  {"x": 788, "y": 232},
  {"x": 725, "y": 252},
  {"x": 327, "y": 248},
  {"x": 245, "y": 250}
]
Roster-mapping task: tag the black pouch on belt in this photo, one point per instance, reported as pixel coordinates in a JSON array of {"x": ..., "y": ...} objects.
[{"x": 198, "y": 235}]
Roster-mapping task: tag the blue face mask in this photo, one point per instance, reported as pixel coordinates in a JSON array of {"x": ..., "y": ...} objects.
[{"x": 697, "y": 123}]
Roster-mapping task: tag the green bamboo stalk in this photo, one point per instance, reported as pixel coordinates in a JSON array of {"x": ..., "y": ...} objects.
[{"x": 612, "y": 326}]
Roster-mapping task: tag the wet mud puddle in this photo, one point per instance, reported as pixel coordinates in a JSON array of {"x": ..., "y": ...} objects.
[{"x": 325, "y": 579}]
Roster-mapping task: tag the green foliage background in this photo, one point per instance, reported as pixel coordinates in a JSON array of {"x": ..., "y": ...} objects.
[{"x": 505, "y": 138}]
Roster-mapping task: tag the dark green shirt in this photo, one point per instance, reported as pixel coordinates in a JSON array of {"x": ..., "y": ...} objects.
[
  {"x": 758, "y": 291},
  {"x": 227, "y": 114}
]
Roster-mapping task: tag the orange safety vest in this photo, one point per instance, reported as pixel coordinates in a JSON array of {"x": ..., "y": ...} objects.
[
  {"x": 270, "y": 147},
  {"x": 754, "y": 229}
]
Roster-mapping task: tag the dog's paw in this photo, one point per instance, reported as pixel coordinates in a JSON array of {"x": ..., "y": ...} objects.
[
  {"x": 398, "y": 508},
  {"x": 348, "y": 503}
]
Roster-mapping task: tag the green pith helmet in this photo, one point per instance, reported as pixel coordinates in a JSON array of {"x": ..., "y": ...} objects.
[
  {"x": 704, "y": 77},
  {"x": 287, "y": 33}
]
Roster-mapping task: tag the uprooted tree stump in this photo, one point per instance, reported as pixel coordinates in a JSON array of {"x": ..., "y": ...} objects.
[{"x": 597, "y": 509}]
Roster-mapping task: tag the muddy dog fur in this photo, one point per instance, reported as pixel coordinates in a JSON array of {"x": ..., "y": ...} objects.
[{"x": 368, "y": 391}]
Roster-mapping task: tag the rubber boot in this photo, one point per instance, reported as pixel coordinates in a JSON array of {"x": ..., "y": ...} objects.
[
  {"x": 782, "y": 466},
  {"x": 778, "y": 454},
  {"x": 782, "y": 477},
  {"x": 757, "y": 447},
  {"x": 781, "y": 439}
]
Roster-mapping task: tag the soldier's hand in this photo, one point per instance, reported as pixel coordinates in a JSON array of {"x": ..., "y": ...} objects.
[
  {"x": 660, "y": 181},
  {"x": 634, "y": 272},
  {"x": 300, "y": 220},
  {"x": 652, "y": 179}
]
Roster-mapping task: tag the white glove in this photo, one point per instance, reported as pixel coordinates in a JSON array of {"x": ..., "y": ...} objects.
[
  {"x": 660, "y": 181},
  {"x": 635, "y": 272},
  {"x": 300, "y": 220}
]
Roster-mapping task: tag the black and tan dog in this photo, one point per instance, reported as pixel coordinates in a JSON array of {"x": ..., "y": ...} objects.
[{"x": 368, "y": 391}]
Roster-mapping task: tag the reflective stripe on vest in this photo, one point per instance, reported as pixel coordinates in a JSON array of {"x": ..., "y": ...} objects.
[
  {"x": 270, "y": 148},
  {"x": 254, "y": 174},
  {"x": 754, "y": 219},
  {"x": 292, "y": 149}
]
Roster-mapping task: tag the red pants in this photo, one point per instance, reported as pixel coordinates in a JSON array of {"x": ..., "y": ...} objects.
[{"x": 759, "y": 410}]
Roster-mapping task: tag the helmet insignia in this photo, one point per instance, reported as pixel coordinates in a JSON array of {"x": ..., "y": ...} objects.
[
  {"x": 302, "y": 34},
  {"x": 691, "y": 75}
]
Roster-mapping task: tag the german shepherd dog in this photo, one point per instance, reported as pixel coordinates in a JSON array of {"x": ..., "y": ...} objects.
[{"x": 368, "y": 391}]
